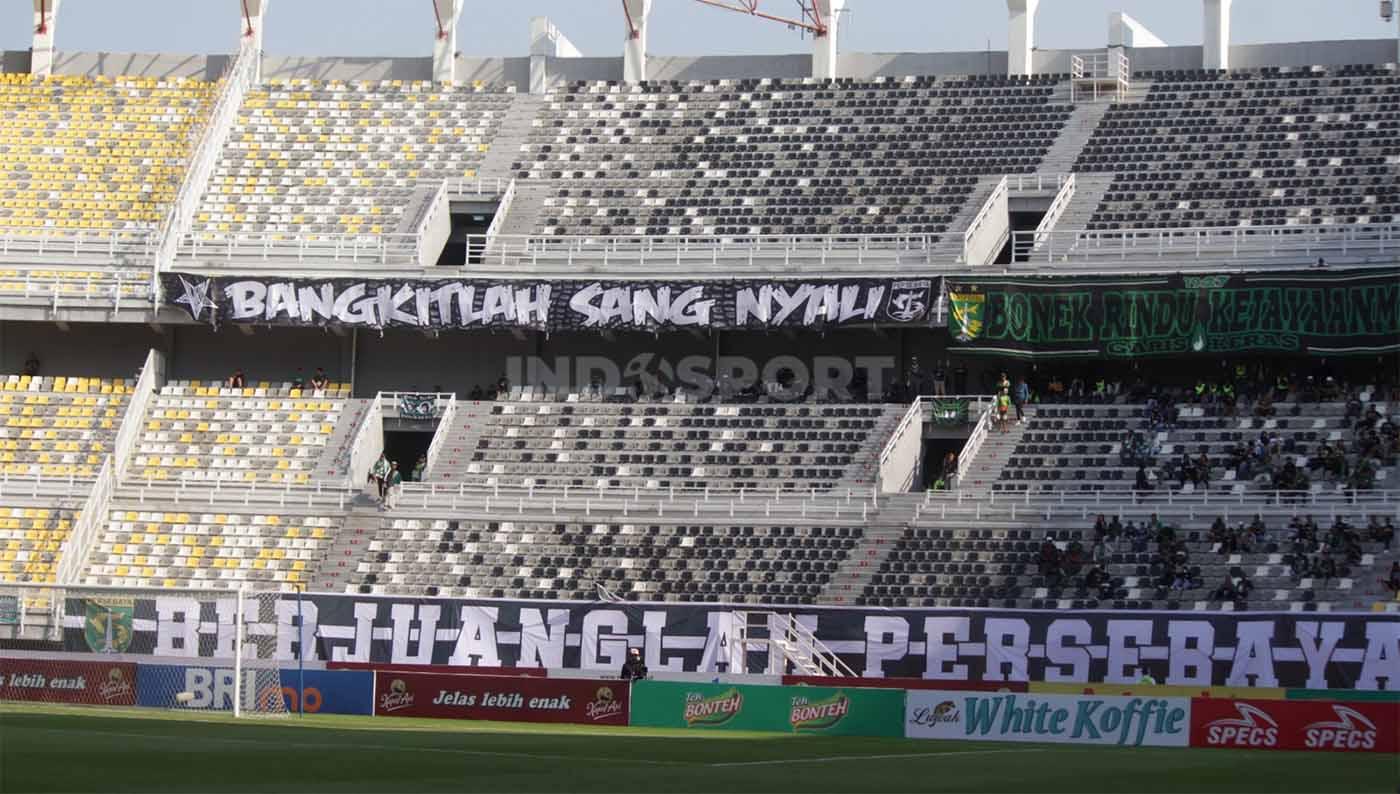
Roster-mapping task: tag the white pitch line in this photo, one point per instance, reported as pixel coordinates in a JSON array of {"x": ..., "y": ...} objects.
[
  {"x": 357, "y": 746},
  {"x": 824, "y": 759}
]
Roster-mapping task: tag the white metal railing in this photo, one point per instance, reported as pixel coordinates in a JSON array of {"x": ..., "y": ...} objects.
[
  {"x": 436, "y": 207},
  {"x": 974, "y": 441},
  {"x": 382, "y": 250},
  {"x": 479, "y": 186},
  {"x": 1057, "y": 209},
  {"x": 1300, "y": 243},
  {"x": 996, "y": 200},
  {"x": 497, "y": 221},
  {"x": 787, "y": 641},
  {"x": 1080, "y": 506},
  {"x": 134, "y": 418},
  {"x": 85, "y": 529},
  {"x": 111, "y": 244},
  {"x": 444, "y": 428},
  {"x": 1094, "y": 71},
  {"x": 899, "y": 459},
  {"x": 367, "y": 445},
  {"x": 1038, "y": 182},
  {"x": 199, "y": 163}
]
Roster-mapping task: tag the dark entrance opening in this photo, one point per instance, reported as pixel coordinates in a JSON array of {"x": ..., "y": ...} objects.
[
  {"x": 404, "y": 447},
  {"x": 466, "y": 242}
]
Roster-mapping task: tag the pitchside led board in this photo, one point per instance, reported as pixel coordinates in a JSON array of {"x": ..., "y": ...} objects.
[
  {"x": 783, "y": 709},
  {"x": 1332, "y": 312},
  {"x": 307, "y": 691}
]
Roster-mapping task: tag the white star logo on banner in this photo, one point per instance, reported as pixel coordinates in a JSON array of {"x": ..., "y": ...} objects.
[{"x": 196, "y": 297}]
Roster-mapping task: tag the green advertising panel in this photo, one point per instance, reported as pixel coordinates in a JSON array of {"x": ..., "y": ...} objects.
[
  {"x": 1320, "y": 313},
  {"x": 784, "y": 709}
]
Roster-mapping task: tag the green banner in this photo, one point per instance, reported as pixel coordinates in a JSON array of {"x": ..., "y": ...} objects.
[
  {"x": 1318, "y": 312},
  {"x": 948, "y": 411},
  {"x": 1377, "y": 695},
  {"x": 783, "y": 709}
]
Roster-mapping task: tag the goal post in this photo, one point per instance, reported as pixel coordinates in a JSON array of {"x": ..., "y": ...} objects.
[{"x": 179, "y": 649}]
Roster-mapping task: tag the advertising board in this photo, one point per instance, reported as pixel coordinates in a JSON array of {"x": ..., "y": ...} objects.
[
  {"x": 1066, "y": 719},
  {"x": 805, "y": 709},
  {"x": 1354, "y": 727},
  {"x": 53, "y": 681},
  {"x": 514, "y": 699}
]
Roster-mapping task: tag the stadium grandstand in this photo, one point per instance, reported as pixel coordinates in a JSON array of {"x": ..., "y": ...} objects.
[{"x": 1101, "y": 330}]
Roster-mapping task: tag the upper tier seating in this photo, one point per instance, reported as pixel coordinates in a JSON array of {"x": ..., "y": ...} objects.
[
  {"x": 94, "y": 153},
  {"x": 1250, "y": 148},
  {"x": 58, "y": 427},
  {"x": 669, "y": 445},
  {"x": 309, "y": 157},
  {"x": 763, "y": 157},
  {"x": 636, "y": 561},
  {"x": 212, "y": 550},
  {"x": 30, "y": 541},
  {"x": 265, "y": 433}
]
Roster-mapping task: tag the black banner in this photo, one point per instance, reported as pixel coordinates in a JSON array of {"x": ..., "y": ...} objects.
[
  {"x": 1318, "y": 312},
  {"x": 1305, "y": 650},
  {"x": 553, "y": 305}
]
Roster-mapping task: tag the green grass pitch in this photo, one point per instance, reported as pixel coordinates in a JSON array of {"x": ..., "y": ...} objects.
[{"x": 74, "y": 749}]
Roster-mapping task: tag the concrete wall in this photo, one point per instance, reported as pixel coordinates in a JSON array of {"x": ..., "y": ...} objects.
[
  {"x": 130, "y": 64},
  {"x": 516, "y": 71},
  {"x": 404, "y": 360},
  {"x": 197, "y": 352},
  {"x": 107, "y": 350}
]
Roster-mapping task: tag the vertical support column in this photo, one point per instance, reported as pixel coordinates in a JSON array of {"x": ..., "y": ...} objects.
[
  {"x": 546, "y": 41},
  {"x": 1020, "y": 48},
  {"x": 445, "y": 40},
  {"x": 41, "y": 51},
  {"x": 1217, "y": 34},
  {"x": 634, "y": 52},
  {"x": 824, "y": 45},
  {"x": 251, "y": 14}
]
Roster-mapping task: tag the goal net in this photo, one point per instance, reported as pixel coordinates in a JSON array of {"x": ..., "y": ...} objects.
[{"x": 198, "y": 650}]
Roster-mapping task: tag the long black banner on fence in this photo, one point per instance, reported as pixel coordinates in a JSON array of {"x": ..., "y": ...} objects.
[
  {"x": 553, "y": 305},
  {"x": 1313, "y": 650},
  {"x": 1318, "y": 312}
]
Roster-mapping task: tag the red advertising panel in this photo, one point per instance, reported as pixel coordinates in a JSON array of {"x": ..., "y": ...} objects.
[
  {"x": 906, "y": 683},
  {"x": 475, "y": 697},
  {"x": 1366, "y": 727},
  {"x": 51, "y": 681}
]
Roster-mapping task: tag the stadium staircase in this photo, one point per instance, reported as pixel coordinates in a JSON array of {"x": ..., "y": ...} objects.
[
  {"x": 989, "y": 461},
  {"x": 864, "y": 468},
  {"x": 950, "y": 247},
  {"x": 893, "y": 518},
  {"x": 467, "y": 424},
  {"x": 1089, "y": 190},
  {"x": 337, "y": 568},
  {"x": 510, "y": 136},
  {"x": 335, "y": 458}
]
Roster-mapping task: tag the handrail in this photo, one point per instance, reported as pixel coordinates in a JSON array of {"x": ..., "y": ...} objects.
[
  {"x": 983, "y": 216},
  {"x": 1216, "y": 243},
  {"x": 134, "y": 419},
  {"x": 974, "y": 442},
  {"x": 445, "y": 419},
  {"x": 73, "y": 552},
  {"x": 363, "y": 450},
  {"x": 199, "y": 162},
  {"x": 891, "y": 478},
  {"x": 1057, "y": 209},
  {"x": 498, "y": 220}
]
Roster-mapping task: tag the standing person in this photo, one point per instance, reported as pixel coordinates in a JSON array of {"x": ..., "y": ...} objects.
[
  {"x": 634, "y": 669},
  {"x": 395, "y": 487},
  {"x": 319, "y": 382},
  {"x": 236, "y": 380},
  {"x": 419, "y": 468},
  {"x": 379, "y": 474},
  {"x": 1020, "y": 397},
  {"x": 1003, "y": 407}
]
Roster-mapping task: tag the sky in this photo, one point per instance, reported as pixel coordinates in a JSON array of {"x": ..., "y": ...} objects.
[{"x": 361, "y": 28}]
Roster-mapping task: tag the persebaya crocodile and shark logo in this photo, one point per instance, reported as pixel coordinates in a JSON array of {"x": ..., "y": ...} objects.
[
  {"x": 818, "y": 715},
  {"x": 712, "y": 711}
]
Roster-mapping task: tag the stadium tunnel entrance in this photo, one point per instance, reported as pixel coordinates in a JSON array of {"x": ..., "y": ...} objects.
[{"x": 406, "y": 447}]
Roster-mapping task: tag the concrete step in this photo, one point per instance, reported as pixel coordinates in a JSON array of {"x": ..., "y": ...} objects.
[
  {"x": 334, "y": 462},
  {"x": 514, "y": 131}
]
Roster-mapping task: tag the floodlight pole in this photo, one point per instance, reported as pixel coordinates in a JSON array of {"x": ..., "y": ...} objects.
[
  {"x": 238, "y": 655},
  {"x": 41, "y": 49}
]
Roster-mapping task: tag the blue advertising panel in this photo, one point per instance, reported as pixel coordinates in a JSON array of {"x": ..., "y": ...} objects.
[{"x": 212, "y": 688}]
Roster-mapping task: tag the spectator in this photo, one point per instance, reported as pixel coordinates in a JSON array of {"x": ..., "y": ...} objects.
[
  {"x": 1226, "y": 591},
  {"x": 419, "y": 468},
  {"x": 1020, "y": 397},
  {"x": 299, "y": 379},
  {"x": 1142, "y": 485},
  {"x": 1392, "y": 581},
  {"x": 31, "y": 365},
  {"x": 395, "y": 486},
  {"x": 236, "y": 380},
  {"x": 379, "y": 475},
  {"x": 1382, "y": 533},
  {"x": 476, "y": 394},
  {"x": 502, "y": 387},
  {"x": 634, "y": 669},
  {"x": 319, "y": 382},
  {"x": 1050, "y": 559}
]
